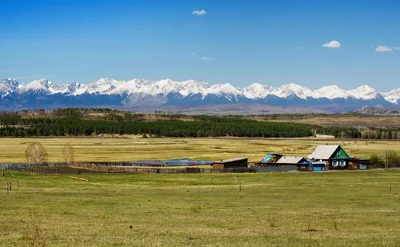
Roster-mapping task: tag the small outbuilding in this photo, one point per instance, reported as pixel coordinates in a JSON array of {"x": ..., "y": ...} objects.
[
  {"x": 271, "y": 158},
  {"x": 357, "y": 164},
  {"x": 292, "y": 160},
  {"x": 319, "y": 166},
  {"x": 231, "y": 163},
  {"x": 299, "y": 163}
]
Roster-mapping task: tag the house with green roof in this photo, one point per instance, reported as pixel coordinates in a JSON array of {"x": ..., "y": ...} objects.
[{"x": 334, "y": 156}]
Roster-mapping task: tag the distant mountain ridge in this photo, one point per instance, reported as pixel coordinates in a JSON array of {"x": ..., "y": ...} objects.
[{"x": 146, "y": 93}]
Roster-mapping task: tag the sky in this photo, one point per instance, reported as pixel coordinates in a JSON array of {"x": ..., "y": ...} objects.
[{"x": 309, "y": 42}]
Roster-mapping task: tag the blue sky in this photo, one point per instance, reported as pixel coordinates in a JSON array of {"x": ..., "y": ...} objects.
[{"x": 237, "y": 42}]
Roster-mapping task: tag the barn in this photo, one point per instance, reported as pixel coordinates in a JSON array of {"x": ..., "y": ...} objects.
[
  {"x": 333, "y": 156},
  {"x": 292, "y": 160},
  {"x": 296, "y": 162},
  {"x": 231, "y": 163}
]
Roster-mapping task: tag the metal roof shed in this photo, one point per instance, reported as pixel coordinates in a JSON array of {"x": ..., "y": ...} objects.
[
  {"x": 231, "y": 163},
  {"x": 291, "y": 160}
]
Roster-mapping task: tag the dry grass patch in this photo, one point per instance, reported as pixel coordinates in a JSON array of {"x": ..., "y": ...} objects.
[{"x": 128, "y": 149}]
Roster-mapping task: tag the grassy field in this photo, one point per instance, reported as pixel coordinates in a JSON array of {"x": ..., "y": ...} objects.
[
  {"x": 379, "y": 121},
  {"x": 273, "y": 209},
  {"x": 129, "y": 148}
]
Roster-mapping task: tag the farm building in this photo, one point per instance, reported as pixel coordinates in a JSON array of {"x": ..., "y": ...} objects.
[
  {"x": 356, "y": 164},
  {"x": 279, "y": 163},
  {"x": 318, "y": 166},
  {"x": 296, "y": 162},
  {"x": 333, "y": 156},
  {"x": 324, "y": 157},
  {"x": 231, "y": 163},
  {"x": 292, "y": 160},
  {"x": 270, "y": 159}
]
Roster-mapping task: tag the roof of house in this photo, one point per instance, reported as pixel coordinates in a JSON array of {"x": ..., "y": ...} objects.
[
  {"x": 230, "y": 160},
  {"x": 267, "y": 158},
  {"x": 289, "y": 160},
  {"x": 323, "y": 152}
]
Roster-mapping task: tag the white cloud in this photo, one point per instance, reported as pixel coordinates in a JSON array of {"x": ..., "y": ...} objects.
[
  {"x": 299, "y": 48},
  {"x": 332, "y": 44},
  {"x": 383, "y": 48},
  {"x": 397, "y": 48},
  {"x": 206, "y": 58},
  {"x": 199, "y": 12},
  {"x": 193, "y": 54}
]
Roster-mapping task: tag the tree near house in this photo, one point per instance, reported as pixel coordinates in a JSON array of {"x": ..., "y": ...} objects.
[
  {"x": 68, "y": 154},
  {"x": 35, "y": 154},
  {"x": 393, "y": 158},
  {"x": 376, "y": 160}
]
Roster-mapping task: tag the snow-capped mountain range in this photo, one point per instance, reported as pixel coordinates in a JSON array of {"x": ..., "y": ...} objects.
[{"x": 145, "y": 93}]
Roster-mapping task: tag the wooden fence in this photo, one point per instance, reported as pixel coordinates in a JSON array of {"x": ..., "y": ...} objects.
[
  {"x": 40, "y": 170},
  {"x": 37, "y": 170},
  {"x": 81, "y": 168},
  {"x": 118, "y": 169}
]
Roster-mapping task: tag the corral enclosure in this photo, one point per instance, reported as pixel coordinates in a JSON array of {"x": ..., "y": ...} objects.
[{"x": 358, "y": 208}]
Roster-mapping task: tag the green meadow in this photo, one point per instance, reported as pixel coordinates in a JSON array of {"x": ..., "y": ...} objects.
[{"x": 353, "y": 208}]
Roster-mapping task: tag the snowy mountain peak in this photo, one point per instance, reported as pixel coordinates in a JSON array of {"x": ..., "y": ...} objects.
[
  {"x": 365, "y": 88},
  {"x": 295, "y": 89},
  {"x": 38, "y": 85},
  {"x": 330, "y": 92},
  {"x": 364, "y": 92},
  {"x": 256, "y": 85},
  {"x": 103, "y": 86},
  {"x": 224, "y": 89},
  {"x": 393, "y": 96},
  {"x": 8, "y": 86},
  {"x": 164, "y": 90},
  {"x": 292, "y": 86},
  {"x": 257, "y": 90}
]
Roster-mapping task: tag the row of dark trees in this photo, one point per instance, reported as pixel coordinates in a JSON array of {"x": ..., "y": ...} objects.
[
  {"x": 73, "y": 122},
  {"x": 62, "y": 127}
]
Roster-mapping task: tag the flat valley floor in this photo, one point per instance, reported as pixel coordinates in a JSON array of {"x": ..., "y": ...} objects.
[
  {"x": 353, "y": 208},
  {"x": 130, "y": 148}
]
